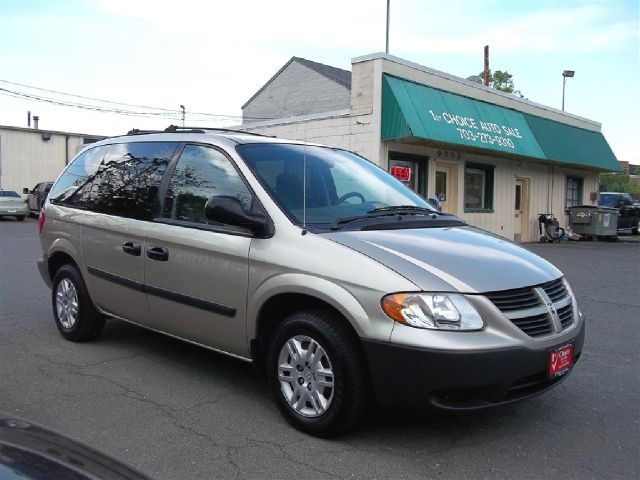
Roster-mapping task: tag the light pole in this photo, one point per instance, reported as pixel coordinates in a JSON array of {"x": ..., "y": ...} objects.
[
  {"x": 386, "y": 50},
  {"x": 565, "y": 74}
]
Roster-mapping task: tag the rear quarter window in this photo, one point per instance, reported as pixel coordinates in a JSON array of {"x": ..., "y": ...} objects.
[
  {"x": 83, "y": 166},
  {"x": 122, "y": 180}
]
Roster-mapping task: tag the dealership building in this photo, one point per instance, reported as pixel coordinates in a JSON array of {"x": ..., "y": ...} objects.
[{"x": 492, "y": 158}]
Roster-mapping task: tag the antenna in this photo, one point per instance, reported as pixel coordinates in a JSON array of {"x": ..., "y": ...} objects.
[
  {"x": 304, "y": 160},
  {"x": 183, "y": 113}
]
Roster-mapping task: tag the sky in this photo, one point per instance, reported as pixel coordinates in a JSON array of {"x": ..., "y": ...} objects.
[{"x": 211, "y": 56}]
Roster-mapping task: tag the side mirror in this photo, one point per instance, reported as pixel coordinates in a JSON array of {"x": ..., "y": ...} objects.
[
  {"x": 435, "y": 203},
  {"x": 25, "y": 191},
  {"x": 228, "y": 210}
]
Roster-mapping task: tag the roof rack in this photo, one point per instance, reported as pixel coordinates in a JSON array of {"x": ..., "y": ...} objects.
[
  {"x": 137, "y": 131},
  {"x": 177, "y": 129}
]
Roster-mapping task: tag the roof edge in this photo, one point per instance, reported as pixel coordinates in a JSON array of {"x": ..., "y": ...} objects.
[
  {"x": 268, "y": 82},
  {"x": 55, "y": 132},
  {"x": 448, "y": 76}
]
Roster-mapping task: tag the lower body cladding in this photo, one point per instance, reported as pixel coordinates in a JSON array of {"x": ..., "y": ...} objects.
[{"x": 464, "y": 380}]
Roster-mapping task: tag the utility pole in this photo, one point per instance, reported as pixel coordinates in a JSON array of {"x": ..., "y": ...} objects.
[
  {"x": 486, "y": 65},
  {"x": 184, "y": 113},
  {"x": 388, "y": 9}
]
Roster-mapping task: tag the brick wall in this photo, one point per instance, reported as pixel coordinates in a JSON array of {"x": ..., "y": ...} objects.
[{"x": 297, "y": 90}]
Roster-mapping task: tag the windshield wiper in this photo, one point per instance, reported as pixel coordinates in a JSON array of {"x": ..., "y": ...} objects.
[
  {"x": 384, "y": 212},
  {"x": 413, "y": 209}
]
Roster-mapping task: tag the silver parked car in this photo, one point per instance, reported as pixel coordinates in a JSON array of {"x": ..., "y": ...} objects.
[
  {"x": 340, "y": 283},
  {"x": 12, "y": 205}
]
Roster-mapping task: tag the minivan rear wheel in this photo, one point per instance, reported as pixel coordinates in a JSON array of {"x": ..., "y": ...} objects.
[
  {"x": 316, "y": 373},
  {"x": 75, "y": 316}
]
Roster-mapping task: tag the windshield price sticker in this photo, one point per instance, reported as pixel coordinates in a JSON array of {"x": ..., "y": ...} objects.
[
  {"x": 401, "y": 173},
  {"x": 478, "y": 131}
]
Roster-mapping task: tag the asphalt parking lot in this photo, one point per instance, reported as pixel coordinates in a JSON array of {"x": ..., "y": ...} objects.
[{"x": 176, "y": 411}]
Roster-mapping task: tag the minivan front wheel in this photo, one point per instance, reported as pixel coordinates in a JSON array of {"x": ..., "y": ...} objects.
[
  {"x": 316, "y": 373},
  {"x": 75, "y": 316}
]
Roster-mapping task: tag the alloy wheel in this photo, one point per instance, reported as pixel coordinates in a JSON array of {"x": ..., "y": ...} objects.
[
  {"x": 306, "y": 376},
  {"x": 67, "y": 303}
]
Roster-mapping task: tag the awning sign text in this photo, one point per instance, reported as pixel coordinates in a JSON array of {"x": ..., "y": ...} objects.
[{"x": 479, "y": 131}]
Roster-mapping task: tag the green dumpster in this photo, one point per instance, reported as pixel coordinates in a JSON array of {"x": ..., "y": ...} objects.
[{"x": 594, "y": 222}]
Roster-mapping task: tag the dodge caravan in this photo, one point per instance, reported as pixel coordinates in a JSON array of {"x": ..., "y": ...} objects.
[{"x": 341, "y": 284}]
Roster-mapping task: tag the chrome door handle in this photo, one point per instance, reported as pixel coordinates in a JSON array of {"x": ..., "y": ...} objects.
[
  {"x": 132, "y": 248},
  {"x": 157, "y": 253}
]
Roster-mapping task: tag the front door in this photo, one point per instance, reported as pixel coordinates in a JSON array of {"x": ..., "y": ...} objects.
[
  {"x": 32, "y": 198},
  {"x": 196, "y": 271},
  {"x": 447, "y": 187},
  {"x": 443, "y": 177},
  {"x": 521, "y": 211}
]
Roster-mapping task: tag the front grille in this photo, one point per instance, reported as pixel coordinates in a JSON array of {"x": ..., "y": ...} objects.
[
  {"x": 555, "y": 290},
  {"x": 518, "y": 299},
  {"x": 534, "y": 326},
  {"x": 525, "y": 307},
  {"x": 566, "y": 316}
]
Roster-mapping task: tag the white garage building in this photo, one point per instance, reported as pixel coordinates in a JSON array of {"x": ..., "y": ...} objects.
[{"x": 29, "y": 156}]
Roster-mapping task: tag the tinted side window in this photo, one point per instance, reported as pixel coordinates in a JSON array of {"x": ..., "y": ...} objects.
[
  {"x": 83, "y": 167},
  {"x": 201, "y": 173},
  {"x": 126, "y": 182}
]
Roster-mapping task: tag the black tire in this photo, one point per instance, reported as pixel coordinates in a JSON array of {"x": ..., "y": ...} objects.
[
  {"x": 636, "y": 230},
  {"x": 349, "y": 372},
  {"x": 21, "y": 218},
  {"x": 89, "y": 322}
]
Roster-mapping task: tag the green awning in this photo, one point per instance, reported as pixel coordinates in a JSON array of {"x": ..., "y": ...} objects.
[{"x": 413, "y": 110}]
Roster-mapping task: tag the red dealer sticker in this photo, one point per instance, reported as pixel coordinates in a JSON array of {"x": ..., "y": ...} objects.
[
  {"x": 560, "y": 360},
  {"x": 401, "y": 173}
]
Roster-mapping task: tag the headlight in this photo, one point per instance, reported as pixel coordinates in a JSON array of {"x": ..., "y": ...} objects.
[{"x": 437, "y": 311}]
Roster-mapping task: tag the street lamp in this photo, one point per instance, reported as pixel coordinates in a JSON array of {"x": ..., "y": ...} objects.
[{"x": 565, "y": 74}]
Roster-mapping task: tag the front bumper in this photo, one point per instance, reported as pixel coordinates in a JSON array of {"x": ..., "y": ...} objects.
[{"x": 461, "y": 380}]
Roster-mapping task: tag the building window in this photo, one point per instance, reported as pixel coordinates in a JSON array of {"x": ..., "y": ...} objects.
[
  {"x": 478, "y": 187},
  {"x": 574, "y": 192}
]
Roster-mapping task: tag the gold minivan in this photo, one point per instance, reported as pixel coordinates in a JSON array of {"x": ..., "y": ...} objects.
[{"x": 340, "y": 283}]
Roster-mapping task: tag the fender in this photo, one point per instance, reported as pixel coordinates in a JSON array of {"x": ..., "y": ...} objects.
[
  {"x": 329, "y": 292},
  {"x": 65, "y": 246}
]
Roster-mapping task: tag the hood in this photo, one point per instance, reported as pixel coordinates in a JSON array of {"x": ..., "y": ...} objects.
[{"x": 463, "y": 259}]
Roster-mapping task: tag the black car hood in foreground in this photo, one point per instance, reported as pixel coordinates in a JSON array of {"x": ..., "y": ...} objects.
[
  {"x": 28, "y": 451},
  {"x": 463, "y": 259}
]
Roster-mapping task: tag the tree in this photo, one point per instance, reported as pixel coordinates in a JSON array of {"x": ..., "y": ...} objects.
[
  {"x": 502, "y": 81},
  {"x": 615, "y": 182}
]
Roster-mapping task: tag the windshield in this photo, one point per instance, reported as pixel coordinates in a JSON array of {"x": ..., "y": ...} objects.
[
  {"x": 8, "y": 193},
  {"x": 339, "y": 184},
  {"x": 608, "y": 200}
]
